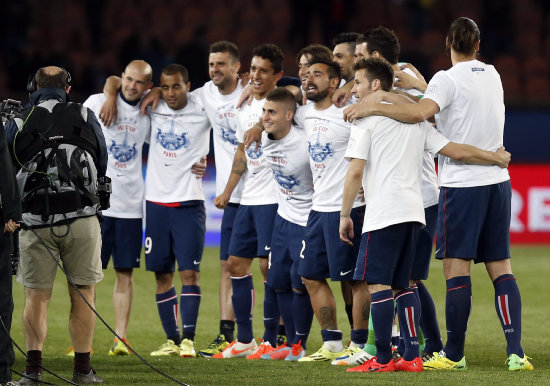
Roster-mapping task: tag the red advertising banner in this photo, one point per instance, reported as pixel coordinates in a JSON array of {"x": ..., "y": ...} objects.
[{"x": 530, "y": 204}]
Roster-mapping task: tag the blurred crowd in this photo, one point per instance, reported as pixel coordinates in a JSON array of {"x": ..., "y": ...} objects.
[{"x": 95, "y": 38}]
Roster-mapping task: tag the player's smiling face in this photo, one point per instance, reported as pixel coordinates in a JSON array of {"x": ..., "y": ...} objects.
[
  {"x": 361, "y": 86},
  {"x": 134, "y": 83},
  {"x": 318, "y": 82},
  {"x": 263, "y": 76},
  {"x": 277, "y": 118},
  {"x": 174, "y": 90},
  {"x": 222, "y": 68}
]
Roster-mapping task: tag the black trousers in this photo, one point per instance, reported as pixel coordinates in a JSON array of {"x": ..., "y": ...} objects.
[{"x": 7, "y": 356}]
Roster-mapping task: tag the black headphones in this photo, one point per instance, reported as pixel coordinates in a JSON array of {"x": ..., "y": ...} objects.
[{"x": 31, "y": 81}]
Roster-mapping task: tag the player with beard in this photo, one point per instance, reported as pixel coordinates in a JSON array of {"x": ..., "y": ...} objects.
[
  {"x": 251, "y": 235},
  {"x": 324, "y": 255}
]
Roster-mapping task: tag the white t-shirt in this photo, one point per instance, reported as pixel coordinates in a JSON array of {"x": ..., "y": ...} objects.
[
  {"x": 430, "y": 190},
  {"x": 222, "y": 113},
  {"x": 124, "y": 140},
  {"x": 179, "y": 139},
  {"x": 471, "y": 103},
  {"x": 392, "y": 175},
  {"x": 258, "y": 185},
  {"x": 289, "y": 162},
  {"x": 327, "y": 139}
]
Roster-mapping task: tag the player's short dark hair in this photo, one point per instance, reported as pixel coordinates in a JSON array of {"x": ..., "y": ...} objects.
[
  {"x": 225, "y": 46},
  {"x": 334, "y": 70},
  {"x": 383, "y": 40},
  {"x": 57, "y": 80},
  {"x": 272, "y": 53},
  {"x": 463, "y": 35},
  {"x": 173, "y": 69},
  {"x": 315, "y": 51},
  {"x": 282, "y": 95},
  {"x": 346, "y": 37},
  {"x": 377, "y": 68}
]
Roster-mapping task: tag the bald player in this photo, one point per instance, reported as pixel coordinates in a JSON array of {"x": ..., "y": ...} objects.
[{"x": 121, "y": 230}]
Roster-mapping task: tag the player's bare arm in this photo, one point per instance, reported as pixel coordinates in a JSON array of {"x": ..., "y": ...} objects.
[
  {"x": 152, "y": 99},
  {"x": 473, "y": 155},
  {"x": 364, "y": 107},
  {"x": 408, "y": 113},
  {"x": 408, "y": 81},
  {"x": 108, "y": 112},
  {"x": 352, "y": 184},
  {"x": 237, "y": 171}
]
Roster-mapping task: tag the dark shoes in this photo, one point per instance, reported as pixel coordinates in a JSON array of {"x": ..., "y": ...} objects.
[{"x": 87, "y": 379}]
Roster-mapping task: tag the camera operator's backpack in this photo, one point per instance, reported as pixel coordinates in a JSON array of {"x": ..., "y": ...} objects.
[{"x": 56, "y": 152}]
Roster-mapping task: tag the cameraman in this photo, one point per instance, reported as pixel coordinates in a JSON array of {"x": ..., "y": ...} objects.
[
  {"x": 10, "y": 214},
  {"x": 58, "y": 150}
]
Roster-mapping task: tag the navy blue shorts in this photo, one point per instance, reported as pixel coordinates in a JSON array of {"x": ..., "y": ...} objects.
[
  {"x": 325, "y": 255},
  {"x": 474, "y": 223},
  {"x": 174, "y": 234},
  {"x": 252, "y": 229},
  {"x": 287, "y": 243},
  {"x": 228, "y": 219},
  {"x": 121, "y": 238},
  {"x": 424, "y": 245},
  {"x": 386, "y": 255}
]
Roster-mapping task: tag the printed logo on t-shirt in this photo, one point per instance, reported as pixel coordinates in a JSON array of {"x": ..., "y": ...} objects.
[
  {"x": 124, "y": 149},
  {"x": 172, "y": 137},
  {"x": 319, "y": 147}
]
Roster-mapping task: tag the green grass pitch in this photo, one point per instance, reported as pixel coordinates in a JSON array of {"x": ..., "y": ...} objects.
[{"x": 485, "y": 344}]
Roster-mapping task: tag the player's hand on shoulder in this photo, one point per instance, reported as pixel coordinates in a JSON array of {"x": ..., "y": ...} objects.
[
  {"x": 346, "y": 229},
  {"x": 108, "y": 112},
  {"x": 341, "y": 96},
  {"x": 254, "y": 134},
  {"x": 504, "y": 157},
  {"x": 356, "y": 111},
  {"x": 246, "y": 96},
  {"x": 151, "y": 99}
]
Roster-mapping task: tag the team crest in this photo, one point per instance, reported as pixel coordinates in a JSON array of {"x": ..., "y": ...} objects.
[
  {"x": 252, "y": 153},
  {"x": 228, "y": 135},
  {"x": 171, "y": 138},
  {"x": 318, "y": 151},
  {"x": 123, "y": 152},
  {"x": 286, "y": 181}
]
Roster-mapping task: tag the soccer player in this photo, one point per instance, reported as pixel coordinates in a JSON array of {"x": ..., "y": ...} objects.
[
  {"x": 175, "y": 215},
  {"x": 219, "y": 98},
  {"x": 344, "y": 53},
  {"x": 474, "y": 203},
  {"x": 305, "y": 55},
  {"x": 324, "y": 255},
  {"x": 381, "y": 42},
  {"x": 285, "y": 149},
  {"x": 386, "y": 156},
  {"x": 121, "y": 229},
  {"x": 251, "y": 236}
]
